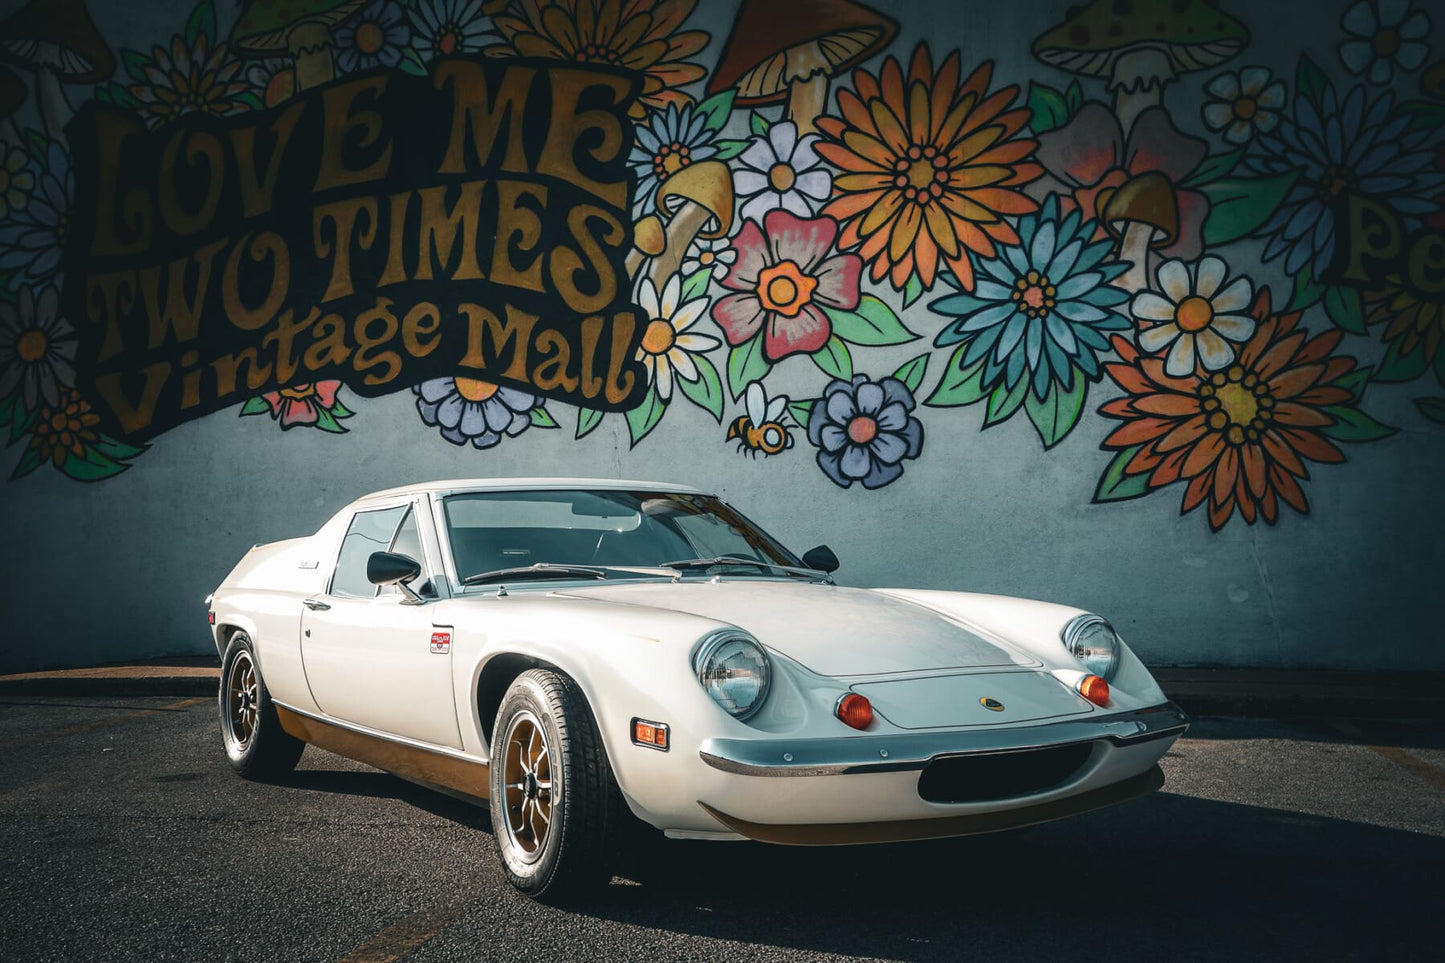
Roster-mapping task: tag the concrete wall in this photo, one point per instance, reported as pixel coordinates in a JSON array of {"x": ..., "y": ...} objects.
[{"x": 1309, "y": 537}]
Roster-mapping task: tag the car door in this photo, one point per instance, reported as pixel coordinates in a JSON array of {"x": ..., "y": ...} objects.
[{"x": 374, "y": 657}]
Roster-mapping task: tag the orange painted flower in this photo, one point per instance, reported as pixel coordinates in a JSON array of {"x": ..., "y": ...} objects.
[
  {"x": 1239, "y": 437},
  {"x": 930, "y": 168},
  {"x": 64, "y": 429},
  {"x": 1414, "y": 328},
  {"x": 640, "y": 35}
]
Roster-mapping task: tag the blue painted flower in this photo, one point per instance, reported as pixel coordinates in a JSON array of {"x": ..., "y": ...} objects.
[
  {"x": 375, "y": 37},
  {"x": 31, "y": 239},
  {"x": 450, "y": 26},
  {"x": 863, "y": 431},
  {"x": 1340, "y": 147},
  {"x": 477, "y": 411},
  {"x": 669, "y": 141},
  {"x": 1384, "y": 35},
  {"x": 1043, "y": 308}
]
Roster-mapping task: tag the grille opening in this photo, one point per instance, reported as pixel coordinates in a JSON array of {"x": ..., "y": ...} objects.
[{"x": 1001, "y": 775}]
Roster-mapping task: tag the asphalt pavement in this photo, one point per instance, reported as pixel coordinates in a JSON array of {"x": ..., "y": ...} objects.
[{"x": 127, "y": 837}]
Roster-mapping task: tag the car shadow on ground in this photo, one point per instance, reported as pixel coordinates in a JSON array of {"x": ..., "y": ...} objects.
[
  {"x": 381, "y": 785},
  {"x": 1167, "y": 877}
]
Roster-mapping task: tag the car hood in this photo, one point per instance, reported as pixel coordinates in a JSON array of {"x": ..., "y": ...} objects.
[{"x": 831, "y": 629}]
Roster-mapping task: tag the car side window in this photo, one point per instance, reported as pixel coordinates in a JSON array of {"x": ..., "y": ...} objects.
[
  {"x": 407, "y": 542},
  {"x": 369, "y": 532}
]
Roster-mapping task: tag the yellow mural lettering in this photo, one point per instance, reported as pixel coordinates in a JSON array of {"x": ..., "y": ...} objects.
[
  {"x": 420, "y": 329},
  {"x": 257, "y": 192},
  {"x": 330, "y": 349},
  {"x": 268, "y": 247},
  {"x": 366, "y": 358},
  {"x": 440, "y": 229},
  {"x": 1373, "y": 233},
  {"x": 1427, "y": 264},
  {"x": 190, "y": 379},
  {"x": 178, "y": 315},
  {"x": 519, "y": 223},
  {"x": 228, "y": 367},
  {"x": 134, "y": 416},
  {"x": 484, "y": 327},
  {"x": 108, "y": 298},
  {"x": 355, "y": 148},
  {"x": 482, "y": 117},
  {"x": 201, "y": 148},
  {"x": 600, "y": 130},
  {"x": 342, "y": 216},
  {"x": 395, "y": 267},
  {"x": 283, "y": 338},
  {"x": 552, "y": 371},
  {"x": 123, "y": 219},
  {"x": 567, "y": 266}
]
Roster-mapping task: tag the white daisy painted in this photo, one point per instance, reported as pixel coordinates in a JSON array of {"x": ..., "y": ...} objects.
[
  {"x": 666, "y": 351},
  {"x": 1198, "y": 313},
  {"x": 1243, "y": 104},
  {"x": 781, "y": 169}
]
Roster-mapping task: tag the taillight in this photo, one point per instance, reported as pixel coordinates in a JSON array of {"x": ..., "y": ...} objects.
[
  {"x": 1095, "y": 689},
  {"x": 855, "y": 710}
]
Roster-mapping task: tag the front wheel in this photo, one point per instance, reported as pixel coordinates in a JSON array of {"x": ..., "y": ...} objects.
[
  {"x": 256, "y": 745},
  {"x": 554, "y": 803}
]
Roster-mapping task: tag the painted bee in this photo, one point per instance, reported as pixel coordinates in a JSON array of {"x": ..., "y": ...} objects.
[{"x": 762, "y": 428}]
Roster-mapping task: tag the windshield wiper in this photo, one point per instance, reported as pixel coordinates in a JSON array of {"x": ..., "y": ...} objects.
[
  {"x": 540, "y": 570},
  {"x": 685, "y": 564}
]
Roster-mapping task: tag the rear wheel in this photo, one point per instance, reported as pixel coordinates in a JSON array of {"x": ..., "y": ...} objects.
[
  {"x": 554, "y": 803},
  {"x": 256, "y": 745}
]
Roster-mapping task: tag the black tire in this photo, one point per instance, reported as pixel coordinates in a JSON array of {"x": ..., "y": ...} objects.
[
  {"x": 556, "y": 812},
  {"x": 255, "y": 743}
]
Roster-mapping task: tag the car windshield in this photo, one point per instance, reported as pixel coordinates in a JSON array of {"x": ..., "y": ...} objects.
[{"x": 503, "y": 532}]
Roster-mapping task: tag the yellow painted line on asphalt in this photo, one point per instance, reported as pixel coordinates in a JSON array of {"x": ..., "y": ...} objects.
[
  {"x": 103, "y": 723},
  {"x": 399, "y": 939}
]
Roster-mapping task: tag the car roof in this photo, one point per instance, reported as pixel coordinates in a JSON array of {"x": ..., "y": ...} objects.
[{"x": 528, "y": 484}]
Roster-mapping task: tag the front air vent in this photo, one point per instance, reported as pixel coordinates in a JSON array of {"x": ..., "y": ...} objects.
[{"x": 1001, "y": 775}]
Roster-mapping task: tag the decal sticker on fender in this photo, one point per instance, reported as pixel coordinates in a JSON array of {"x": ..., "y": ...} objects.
[{"x": 441, "y": 643}]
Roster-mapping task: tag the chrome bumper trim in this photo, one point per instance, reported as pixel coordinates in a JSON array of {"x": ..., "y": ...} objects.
[{"x": 895, "y": 752}]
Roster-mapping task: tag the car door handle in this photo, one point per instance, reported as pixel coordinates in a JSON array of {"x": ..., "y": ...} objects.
[{"x": 316, "y": 605}]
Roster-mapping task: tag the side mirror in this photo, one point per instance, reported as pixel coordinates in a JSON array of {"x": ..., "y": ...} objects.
[
  {"x": 388, "y": 568},
  {"x": 821, "y": 558}
]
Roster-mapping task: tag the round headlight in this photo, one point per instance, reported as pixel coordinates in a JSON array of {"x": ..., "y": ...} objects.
[
  {"x": 734, "y": 671},
  {"x": 1092, "y": 641}
]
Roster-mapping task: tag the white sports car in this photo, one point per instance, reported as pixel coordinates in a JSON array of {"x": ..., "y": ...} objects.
[{"x": 580, "y": 654}]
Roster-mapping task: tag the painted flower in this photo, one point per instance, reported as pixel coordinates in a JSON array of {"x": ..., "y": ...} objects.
[
  {"x": 1243, "y": 104},
  {"x": 375, "y": 37},
  {"x": 313, "y": 403},
  {"x": 64, "y": 428},
  {"x": 667, "y": 142},
  {"x": 444, "y": 27},
  {"x": 1239, "y": 437},
  {"x": 716, "y": 254},
  {"x": 1196, "y": 313},
  {"x": 781, "y": 169},
  {"x": 1129, "y": 186},
  {"x": 272, "y": 79},
  {"x": 189, "y": 80},
  {"x": 1040, "y": 309},
  {"x": 784, "y": 277},
  {"x": 930, "y": 168},
  {"x": 1384, "y": 35},
  {"x": 666, "y": 351},
  {"x": 863, "y": 431},
  {"x": 640, "y": 35},
  {"x": 15, "y": 181},
  {"x": 477, "y": 411},
  {"x": 1414, "y": 324},
  {"x": 37, "y": 348},
  {"x": 1340, "y": 146},
  {"x": 31, "y": 240}
]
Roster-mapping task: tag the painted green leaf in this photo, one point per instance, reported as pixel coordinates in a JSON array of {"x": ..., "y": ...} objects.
[
  {"x": 746, "y": 364},
  {"x": 27, "y": 464},
  {"x": 1306, "y": 291},
  {"x": 1050, "y": 110},
  {"x": 645, "y": 416},
  {"x": 959, "y": 386},
  {"x": 1352, "y": 424},
  {"x": 587, "y": 419},
  {"x": 103, "y": 94},
  {"x": 802, "y": 410},
  {"x": 20, "y": 422},
  {"x": 255, "y": 406},
  {"x": 1238, "y": 205},
  {"x": 911, "y": 372},
  {"x": 706, "y": 392},
  {"x": 1074, "y": 98},
  {"x": 135, "y": 64},
  {"x": 1423, "y": 115},
  {"x": 541, "y": 418},
  {"x": 327, "y": 422},
  {"x": 1214, "y": 167},
  {"x": 728, "y": 149},
  {"x": 411, "y": 62},
  {"x": 202, "y": 21},
  {"x": 1355, "y": 382},
  {"x": 7, "y": 408},
  {"x": 834, "y": 359},
  {"x": 339, "y": 410},
  {"x": 695, "y": 284},
  {"x": 1401, "y": 367},
  {"x": 251, "y": 100},
  {"x": 1003, "y": 402},
  {"x": 715, "y": 109},
  {"x": 1345, "y": 309},
  {"x": 1115, "y": 486},
  {"x": 116, "y": 449},
  {"x": 1432, "y": 408},
  {"x": 913, "y": 290},
  {"x": 91, "y": 468},
  {"x": 872, "y": 323},
  {"x": 1309, "y": 80},
  {"x": 759, "y": 124},
  {"x": 1056, "y": 415}
]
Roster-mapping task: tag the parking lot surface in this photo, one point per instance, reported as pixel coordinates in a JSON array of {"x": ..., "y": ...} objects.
[{"x": 127, "y": 837}]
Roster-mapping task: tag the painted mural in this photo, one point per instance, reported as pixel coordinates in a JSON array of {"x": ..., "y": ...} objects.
[{"x": 542, "y": 214}]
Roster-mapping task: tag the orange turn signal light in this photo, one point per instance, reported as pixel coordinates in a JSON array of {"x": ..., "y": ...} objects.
[
  {"x": 653, "y": 734},
  {"x": 1095, "y": 689},
  {"x": 855, "y": 710}
]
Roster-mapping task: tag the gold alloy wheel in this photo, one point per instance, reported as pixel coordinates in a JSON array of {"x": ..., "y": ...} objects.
[
  {"x": 527, "y": 785},
  {"x": 242, "y": 700}
]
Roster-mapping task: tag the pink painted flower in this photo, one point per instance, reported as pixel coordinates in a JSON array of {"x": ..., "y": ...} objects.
[
  {"x": 784, "y": 278},
  {"x": 298, "y": 404}
]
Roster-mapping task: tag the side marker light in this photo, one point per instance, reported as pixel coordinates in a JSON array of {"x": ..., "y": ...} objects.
[
  {"x": 650, "y": 734},
  {"x": 855, "y": 710},
  {"x": 1095, "y": 689}
]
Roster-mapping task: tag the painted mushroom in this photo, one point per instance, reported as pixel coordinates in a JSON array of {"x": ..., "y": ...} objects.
[
  {"x": 58, "y": 40},
  {"x": 12, "y": 95},
  {"x": 789, "y": 51},
  {"x": 1139, "y": 46},
  {"x": 697, "y": 201},
  {"x": 1143, "y": 214},
  {"x": 298, "y": 28}
]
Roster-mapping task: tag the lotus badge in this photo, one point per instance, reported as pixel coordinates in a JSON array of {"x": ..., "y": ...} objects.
[{"x": 993, "y": 705}]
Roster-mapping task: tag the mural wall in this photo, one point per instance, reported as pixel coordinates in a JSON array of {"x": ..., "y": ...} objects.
[{"x": 658, "y": 238}]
